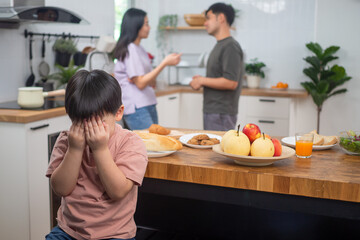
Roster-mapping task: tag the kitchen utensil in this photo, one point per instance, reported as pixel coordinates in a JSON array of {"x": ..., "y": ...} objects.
[
  {"x": 33, "y": 97},
  {"x": 44, "y": 67},
  {"x": 30, "y": 80}
]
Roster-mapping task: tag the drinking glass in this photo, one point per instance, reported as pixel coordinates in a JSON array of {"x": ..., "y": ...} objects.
[{"x": 304, "y": 144}]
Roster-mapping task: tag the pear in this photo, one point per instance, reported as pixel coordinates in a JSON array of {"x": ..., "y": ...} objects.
[
  {"x": 235, "y": 142},
  {"x": 262, "y": 147}
]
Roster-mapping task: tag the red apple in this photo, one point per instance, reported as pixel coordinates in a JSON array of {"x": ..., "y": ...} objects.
[
  {"x": 252, "y": 131},
  {"x": 278, "y": 147}
]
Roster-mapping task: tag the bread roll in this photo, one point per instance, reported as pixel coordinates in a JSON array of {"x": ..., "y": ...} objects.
[
  {"x": 157, "y": 143},
  {"x": 155, "y": 128}
]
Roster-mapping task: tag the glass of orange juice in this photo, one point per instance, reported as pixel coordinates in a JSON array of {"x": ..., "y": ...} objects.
[{"x": 304, "y": 144}]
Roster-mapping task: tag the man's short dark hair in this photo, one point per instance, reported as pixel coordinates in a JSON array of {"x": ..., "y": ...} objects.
[
  {"x": 226, "y": 9},
  {"x": 92, "y": 93}
]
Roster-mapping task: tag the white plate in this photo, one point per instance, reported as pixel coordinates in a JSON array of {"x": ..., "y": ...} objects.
[
  {"x": 256, "y": 161},
  {"x": 290, "y": 141},
  {"x": 159, "y": 154},
  {"x": 185, "y": 138}
]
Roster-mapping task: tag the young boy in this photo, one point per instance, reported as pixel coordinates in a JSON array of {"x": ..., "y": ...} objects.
[{"x": 96, "y": 166}]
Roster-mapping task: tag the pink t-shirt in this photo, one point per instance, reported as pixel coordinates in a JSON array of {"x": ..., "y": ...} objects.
[{"x": 88, "y": 212}]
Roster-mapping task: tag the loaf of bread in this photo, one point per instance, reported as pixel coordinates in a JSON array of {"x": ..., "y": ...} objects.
[
  {"x": 155, "y": 128},
  {"x": 158, "y": 143}
]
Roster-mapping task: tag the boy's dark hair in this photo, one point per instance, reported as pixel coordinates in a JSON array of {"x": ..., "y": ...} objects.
[
  {"x": 92, "y": 93},
  {"x": 224, "y": 8}
]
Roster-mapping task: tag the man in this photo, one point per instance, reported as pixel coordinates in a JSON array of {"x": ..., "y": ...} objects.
[{"x": 225, "y": 67}]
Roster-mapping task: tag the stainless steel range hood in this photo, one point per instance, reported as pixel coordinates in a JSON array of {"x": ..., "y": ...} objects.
[{"x": 13, "y": 12}]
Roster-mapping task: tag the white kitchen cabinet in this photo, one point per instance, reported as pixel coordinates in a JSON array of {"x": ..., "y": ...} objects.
[
  {"x": 271, "y": 114},
  {"x": 25, "y": 198},
  {"x": 191, "y": 111},
  {"x": 168, "y": 108}
]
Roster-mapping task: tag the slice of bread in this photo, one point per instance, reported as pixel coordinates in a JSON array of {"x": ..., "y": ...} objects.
[
  {"x": 330, "y": 140},
  {"x": 318, "y": 139}
]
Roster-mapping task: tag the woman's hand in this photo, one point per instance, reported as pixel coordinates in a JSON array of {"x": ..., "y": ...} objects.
[
  {"x": 97, "y": 133},
  {"x": 172, "y": 59},
  {"x": 77, "y": 136}
]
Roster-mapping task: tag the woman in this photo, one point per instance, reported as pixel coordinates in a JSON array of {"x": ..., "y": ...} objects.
[{"x": 134, "y": 72}]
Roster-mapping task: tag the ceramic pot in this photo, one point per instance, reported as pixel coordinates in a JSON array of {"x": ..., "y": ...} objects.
[{"x": 253, "y": 81}]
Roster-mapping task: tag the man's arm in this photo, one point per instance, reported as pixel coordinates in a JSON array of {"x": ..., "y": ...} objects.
[{"x": 216, "y": 83}]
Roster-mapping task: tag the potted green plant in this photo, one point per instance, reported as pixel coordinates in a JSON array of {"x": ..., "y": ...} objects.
[
  {"x": 169, "y": 20},
  {"x": 65, "y": 73},
  {"x": 254, "y": 73},
  {"x": 324, "y": 78},
  {"x": 64, "y": 48}
]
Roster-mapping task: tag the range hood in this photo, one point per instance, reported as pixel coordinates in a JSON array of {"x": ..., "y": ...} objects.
[{"x": 13, "y": 12}]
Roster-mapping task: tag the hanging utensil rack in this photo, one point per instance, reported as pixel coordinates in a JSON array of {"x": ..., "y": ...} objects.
[{"x": 63, "y": 35}]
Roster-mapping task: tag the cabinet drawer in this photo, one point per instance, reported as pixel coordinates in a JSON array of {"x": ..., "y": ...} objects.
[
  {"x": 271, "y": 126},
  {"x": 168, "y": 110},
  {"x": 268, "y": 107}
]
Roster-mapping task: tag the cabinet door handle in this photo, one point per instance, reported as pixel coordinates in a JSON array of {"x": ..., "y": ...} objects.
[
  {"x": 267, "y": 100},
  {"x": 172, "y": 98},
  {"x": 266, "y": 121},
  {"x": 39, "y": 127}
]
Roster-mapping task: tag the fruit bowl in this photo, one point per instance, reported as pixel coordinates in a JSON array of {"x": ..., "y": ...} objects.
[{"x": 350, "y": 142}]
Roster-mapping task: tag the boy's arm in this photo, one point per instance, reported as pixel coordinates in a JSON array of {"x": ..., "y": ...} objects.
[
  {"x": 113, "y": 179},
  {"x": 64, "y": 178}
]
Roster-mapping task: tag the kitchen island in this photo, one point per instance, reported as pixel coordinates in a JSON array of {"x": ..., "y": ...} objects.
[{"x": 201, "y": 192}]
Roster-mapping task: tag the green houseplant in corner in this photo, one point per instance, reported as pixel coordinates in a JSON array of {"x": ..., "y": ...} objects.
[
  {"x": 254, "y": 73},
  {"x": 64, "y": 48},
  {"x": 324, "y": 78}
]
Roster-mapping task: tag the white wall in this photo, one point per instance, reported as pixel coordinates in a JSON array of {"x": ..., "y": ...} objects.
[
  {"x": 14, "y": 63},
  {"x": 276, "y": 32}
]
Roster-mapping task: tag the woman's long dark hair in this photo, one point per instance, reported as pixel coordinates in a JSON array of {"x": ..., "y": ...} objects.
[{"x": 131, "y": 24}]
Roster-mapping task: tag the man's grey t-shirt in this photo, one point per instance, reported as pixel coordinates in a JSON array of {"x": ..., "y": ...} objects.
[{"x": 225, "y": 60}]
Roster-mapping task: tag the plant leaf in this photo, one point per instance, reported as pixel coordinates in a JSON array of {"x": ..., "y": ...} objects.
[
  {"x": 314, "y": 61},
  {"x": 328, "y": 59},
  {"x": 315, "y": 48},
  {"x": 343, "y": 90},
  {"x": 322, "y": 87},
  {"x": 312, "y": 74},
  {"x": 311, "y": 89},
  {"x": 330, "y": 51}
]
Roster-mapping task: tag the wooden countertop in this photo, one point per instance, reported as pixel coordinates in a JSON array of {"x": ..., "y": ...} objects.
[
  {"x": 266, "y": 92},
  {"x": 26, "y": 116},
  {"x": 328, "y": 174}
]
